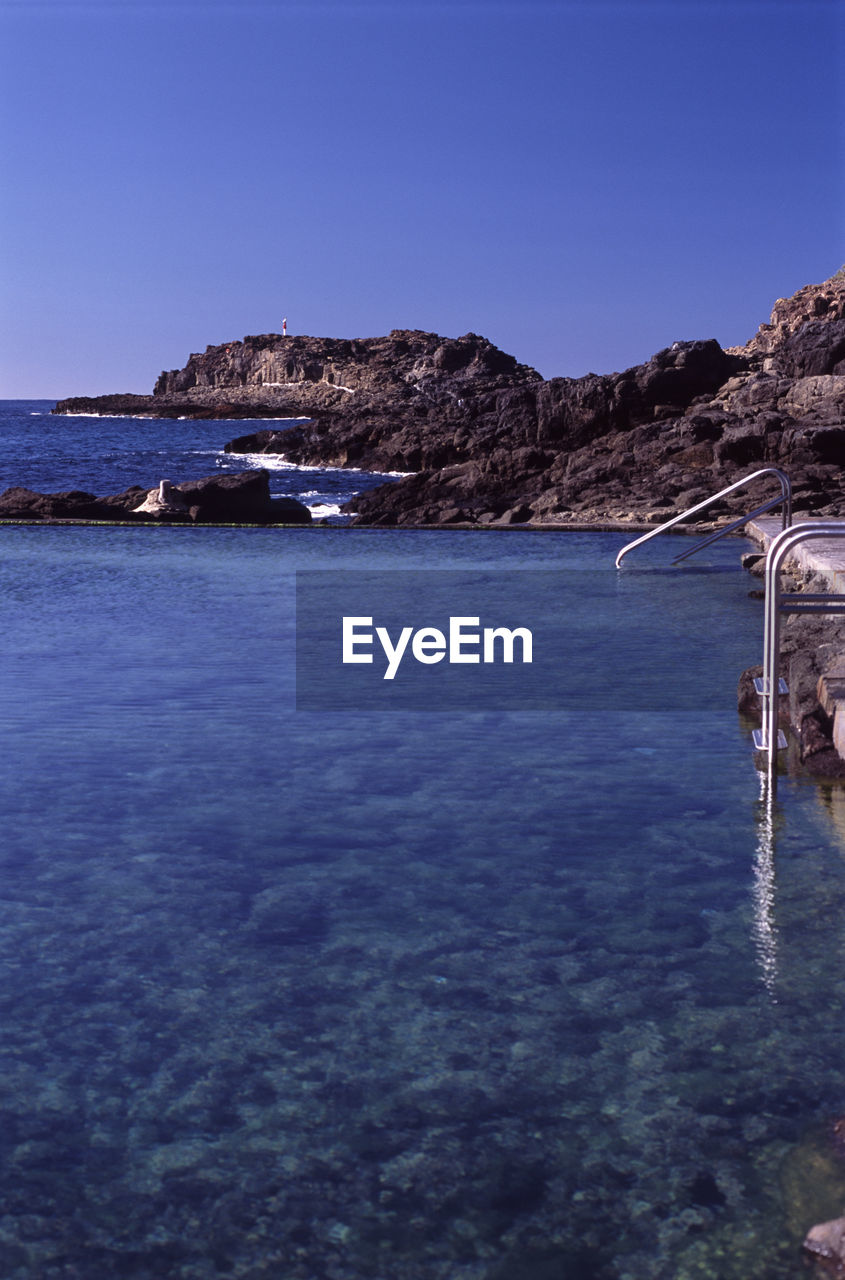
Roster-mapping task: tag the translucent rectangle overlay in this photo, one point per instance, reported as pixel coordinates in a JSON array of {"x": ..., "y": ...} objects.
[{"x": 439, "y": 640}]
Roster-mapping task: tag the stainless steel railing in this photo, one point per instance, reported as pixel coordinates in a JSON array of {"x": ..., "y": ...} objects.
[
  {"x": 784, "y": 497},
  {"x": 768, "y": 737}
]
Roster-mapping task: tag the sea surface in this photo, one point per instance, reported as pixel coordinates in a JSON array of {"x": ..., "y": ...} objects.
[
  {"x": 391, "y": 995},
  {"x": 104, "y": 455}
]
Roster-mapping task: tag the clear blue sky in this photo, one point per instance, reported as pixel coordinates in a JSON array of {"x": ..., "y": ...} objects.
[{"x": 581, "y": 181}]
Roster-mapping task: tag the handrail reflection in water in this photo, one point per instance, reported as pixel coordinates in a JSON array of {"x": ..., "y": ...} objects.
[{"x": 765, "y": 930}]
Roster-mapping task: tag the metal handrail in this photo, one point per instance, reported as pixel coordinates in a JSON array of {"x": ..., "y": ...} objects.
[
  {"x": 729, "y": 528},
  {"x": 767, "y": 738},
  {"x": 785, "y": 498}
]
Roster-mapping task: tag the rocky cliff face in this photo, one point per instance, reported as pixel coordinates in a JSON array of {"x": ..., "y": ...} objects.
[
  {"x": 644, "y": 443},
  {"x": 406, "y": 365},
  {"x": 503, "y": 436},
  {"x": 657, "y": 438},
  {"x": 408, "y": 374}
]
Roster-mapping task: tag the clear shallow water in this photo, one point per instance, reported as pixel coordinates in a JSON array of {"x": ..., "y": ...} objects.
[
  {"x": 395, "y": 995},
  {"x": 107, "y": 455}
]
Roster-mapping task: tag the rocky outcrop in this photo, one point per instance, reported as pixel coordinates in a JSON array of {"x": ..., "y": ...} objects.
[
  {"x": 19, "y": 503},
  {"x": 505, "y": 438},
  {"x": 814, "y": 303},
  {"x": 238, "y": 498},
  {"x": 488, "y": 440},
  {"x": 136, "y": 406},
  {"x": 243, "y": 497},
  {"x": 407, "y": 375},
  {"x": 644, "y": 443}
]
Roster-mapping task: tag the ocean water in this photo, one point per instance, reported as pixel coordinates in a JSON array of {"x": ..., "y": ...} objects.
[
  {"x": 397, "y": 995},
  {"x": 107, "y": 455}
]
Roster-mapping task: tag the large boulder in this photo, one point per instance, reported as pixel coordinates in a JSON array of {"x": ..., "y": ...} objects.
[
  {"x": 238, "y": 498},
  {"x": 816, "y": 348}
]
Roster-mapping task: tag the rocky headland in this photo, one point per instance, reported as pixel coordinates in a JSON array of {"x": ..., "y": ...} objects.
[
  {"x": 407, "y": 377},
  {"x": 488, "y": 440}
]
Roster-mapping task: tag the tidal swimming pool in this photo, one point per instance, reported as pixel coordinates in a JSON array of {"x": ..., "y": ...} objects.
[{"x": 401, "y": 995}]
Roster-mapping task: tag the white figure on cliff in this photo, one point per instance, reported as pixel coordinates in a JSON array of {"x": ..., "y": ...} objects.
[{"x": 285, "y": 327}]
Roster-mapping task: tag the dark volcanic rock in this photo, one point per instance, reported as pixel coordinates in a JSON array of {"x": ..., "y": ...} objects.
[
  {"x": 510, "y": 435},
  {"x": 131, "y": 406},
  {"x": 245, "y": 496},
  {"x": 408, "y": 363},
  {"x": 817, "y": 348},
  {"x": 242, "y": 498},
  {"x": 123, "y": 405},
  {"x": 814, "y": 302},
  {"x": 489, "y": 440},
  {"x": 646, "y": 442},
  {"x": 25, "y": 504},
  {"x": 657, "y": 438},
  {"x": 408, "y": 372}
]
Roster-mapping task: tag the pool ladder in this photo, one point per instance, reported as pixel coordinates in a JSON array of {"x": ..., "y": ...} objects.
[
  {"x": 785, "y": 497},
  {"x": 769, "y": 737}
]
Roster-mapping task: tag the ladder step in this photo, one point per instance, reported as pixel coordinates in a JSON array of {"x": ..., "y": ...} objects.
[
  {"x": 762, "y": 686},
  {"x": 760, "y": 745}
]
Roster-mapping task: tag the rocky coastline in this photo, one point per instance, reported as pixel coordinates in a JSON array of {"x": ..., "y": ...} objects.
[
  {"x": 238, "y": 498},
  {"x": 487, "y": 440},
  {"x": 643, "y": 444},
  {"x": 482, "y": 440}
]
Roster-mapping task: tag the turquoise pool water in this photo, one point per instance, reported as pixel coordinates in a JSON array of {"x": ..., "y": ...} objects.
[{"x": 409, "y": 996}]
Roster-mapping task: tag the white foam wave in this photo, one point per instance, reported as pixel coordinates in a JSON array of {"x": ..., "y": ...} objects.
[
  {"x": 278, "y": 462},
  {"x": 321, "y": 509},
  {"x": 270, "y": 462},
  {"x": 187, "y": 417},
  {"x": 183, "y": 417}
]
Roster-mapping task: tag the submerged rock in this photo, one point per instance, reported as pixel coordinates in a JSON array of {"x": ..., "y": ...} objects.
[{"x": 826, "y": 1243}]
